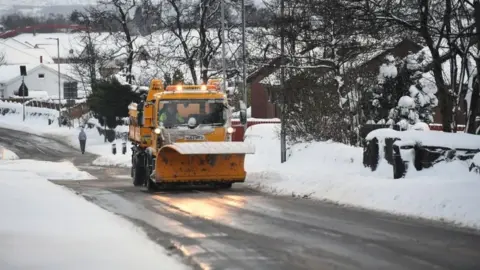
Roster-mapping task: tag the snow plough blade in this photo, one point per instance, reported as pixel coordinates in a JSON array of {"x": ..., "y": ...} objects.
[{"x": 202, "y": 162}]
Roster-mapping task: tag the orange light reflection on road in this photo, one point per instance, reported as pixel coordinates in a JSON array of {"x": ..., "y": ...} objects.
[{"x": 206, "y": 207}]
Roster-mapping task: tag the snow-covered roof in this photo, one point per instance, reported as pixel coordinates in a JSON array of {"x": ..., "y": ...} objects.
[
  {"x": 14, "y": 55},
  {"x": 69, "y": 43},
  {"x": 113, "y": 46},
  {"x": 272, "y": 79},
  {"x": 15, "y": 43}
]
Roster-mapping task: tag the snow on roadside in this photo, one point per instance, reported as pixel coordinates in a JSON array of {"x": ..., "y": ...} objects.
[
  {"x": 96, "y": 145},
  {"x": 59, "y": 230},
  {"x": 6, "y": 154},
  {"x": 334, "y": 172},
  {"x": 95, "y": 142},
  {"x": 49, "y": 170}
]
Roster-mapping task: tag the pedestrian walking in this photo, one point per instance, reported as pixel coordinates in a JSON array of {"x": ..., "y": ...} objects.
[{"x": 82, "y": 137}]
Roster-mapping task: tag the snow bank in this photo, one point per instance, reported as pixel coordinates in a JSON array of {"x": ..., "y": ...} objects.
[
  {"x": 17, "y": 108},
  {"x": 46, "y": 169},
  {"x": 6, "y": 154},
  {"x": 444, "y": 139},
  {"x": 95, "y": 143},
  {"x": 334, "y": 172},
  {"x": 59, "y": 230},
  {"x": 476, "y": 159}
]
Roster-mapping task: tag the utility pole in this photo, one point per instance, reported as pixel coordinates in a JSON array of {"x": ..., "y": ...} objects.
[
  {"x": 472, "y": 112},
  {"x": 224, "y": 65},
  {"x": 59, "y": 84},
  {"x": 283, "y": 147},
  {"x": 23, "y": 87},
  {"x": 244, "y": 61},
  {"x": 23, "y": 96}
]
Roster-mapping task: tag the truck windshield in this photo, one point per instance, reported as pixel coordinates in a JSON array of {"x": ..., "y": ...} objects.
[{"x": 173, "y": 113}]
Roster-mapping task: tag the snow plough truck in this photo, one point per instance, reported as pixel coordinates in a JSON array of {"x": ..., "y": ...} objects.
[{"x": 182, "y": 135}]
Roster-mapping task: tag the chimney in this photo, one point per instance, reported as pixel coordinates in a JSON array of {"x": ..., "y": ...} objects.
[{"x": 41, "y": 59}]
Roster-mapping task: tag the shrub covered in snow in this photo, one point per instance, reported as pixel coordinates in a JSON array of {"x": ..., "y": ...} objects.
[
  {"x": 382, "y": 96},
  {"x": 419, "y": 99},
  {"x": 403, "y": 95}
]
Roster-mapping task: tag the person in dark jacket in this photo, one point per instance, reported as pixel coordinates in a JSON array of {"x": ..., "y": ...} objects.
[{"x": 82, "y": 137}]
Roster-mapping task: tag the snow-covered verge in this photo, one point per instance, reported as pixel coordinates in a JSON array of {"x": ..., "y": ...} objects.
[
  {"x": 95, "y": 142},
  {"x": 17, "y": 108},
  {"x": 334, "y": 172},
  {"x": 59, "y": 230},
  {"x": 50, "y": 170},
  {"x": 6, "y": 154}
]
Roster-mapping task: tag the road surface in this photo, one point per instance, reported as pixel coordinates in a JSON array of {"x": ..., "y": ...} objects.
[{"x": 245, "y": 229}]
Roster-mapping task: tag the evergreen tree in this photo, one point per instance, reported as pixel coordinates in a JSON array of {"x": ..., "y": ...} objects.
[
  {"x": 167, "y": 80},
  {"x": 110, "y": 99},
  {"x": 419, "y": 99},
  {"x": 177, "y": 76},
  {"x": 384, "y": 95}
]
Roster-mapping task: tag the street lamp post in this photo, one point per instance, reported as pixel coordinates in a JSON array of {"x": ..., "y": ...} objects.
[
  {"x": 59, "y": 84},
  {"x": 283, "y": 140},
  {"x": 224, "y": 64},
  {"x": 244, "y": 64}
]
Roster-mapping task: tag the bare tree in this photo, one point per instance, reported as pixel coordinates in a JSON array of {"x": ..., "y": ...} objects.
[
  {"x": 323, "y": 39},
  {"x": 115, "y": 15},
  {"x": 441, "y": 26},
  {"x": 194, "y": 29},
  {"x": 91, "y": 61}
]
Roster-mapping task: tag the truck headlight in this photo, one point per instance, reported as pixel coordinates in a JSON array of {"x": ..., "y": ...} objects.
[
  {"x": 230, "y": 130},
  {"x": 157, "y": 131}
]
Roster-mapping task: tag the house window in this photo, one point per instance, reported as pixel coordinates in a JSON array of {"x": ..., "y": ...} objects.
[{"x": 41, "y": 75}]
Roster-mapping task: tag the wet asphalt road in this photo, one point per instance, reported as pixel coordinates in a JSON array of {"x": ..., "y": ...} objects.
[{"x": 245, "y": 229}]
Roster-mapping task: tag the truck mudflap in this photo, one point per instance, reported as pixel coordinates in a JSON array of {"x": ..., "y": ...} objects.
[{"x": 201, "y": 162}]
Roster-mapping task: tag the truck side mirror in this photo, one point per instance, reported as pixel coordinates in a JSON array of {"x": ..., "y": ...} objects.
[
  {"x": 140, "y": 108},
  {"x": 140, "y": 118}
]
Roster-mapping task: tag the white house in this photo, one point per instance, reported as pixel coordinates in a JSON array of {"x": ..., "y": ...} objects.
[{"x": 40, "y": 79}]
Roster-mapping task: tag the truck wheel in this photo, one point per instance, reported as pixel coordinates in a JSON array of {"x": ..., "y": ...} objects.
[
  {"x": 224, "y": 185},
  {"x": 147, "y": 182},
  {"x": 138, "y": 174},
  {"x": 151, "y": 186}
]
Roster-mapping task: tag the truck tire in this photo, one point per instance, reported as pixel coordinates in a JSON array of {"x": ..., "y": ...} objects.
[
  {"x": 139, "y": 174},
  {"x": 224, "y": 185},
  {"x": 150, "y": 185},
  {"x": 147, "y": 182}
]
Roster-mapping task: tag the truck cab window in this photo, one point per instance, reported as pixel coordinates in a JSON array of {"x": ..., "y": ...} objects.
[{"x": 176, "y": 113}]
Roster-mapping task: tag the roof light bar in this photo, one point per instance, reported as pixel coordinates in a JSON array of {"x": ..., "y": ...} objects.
[{"x": 203, "y": 87}]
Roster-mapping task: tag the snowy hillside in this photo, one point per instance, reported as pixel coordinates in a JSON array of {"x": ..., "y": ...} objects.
[{"x": 38, "y": 8}]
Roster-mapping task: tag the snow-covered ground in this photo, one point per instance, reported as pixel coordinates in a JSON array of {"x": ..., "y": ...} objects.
[
  {"x": 334, "y": 172},
  {"x": 95, "y": 142},
  {"x": 325, "y": 171},
  {"x": 6, "y": 154},
  {"x": 46, "y": 226}
]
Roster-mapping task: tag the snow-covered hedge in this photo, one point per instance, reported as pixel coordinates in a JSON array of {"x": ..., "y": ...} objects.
[
  {"x": 430, "y": 139},
  {"x": 7, "y": 107},
  {"x": 422, "y": 149}
]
